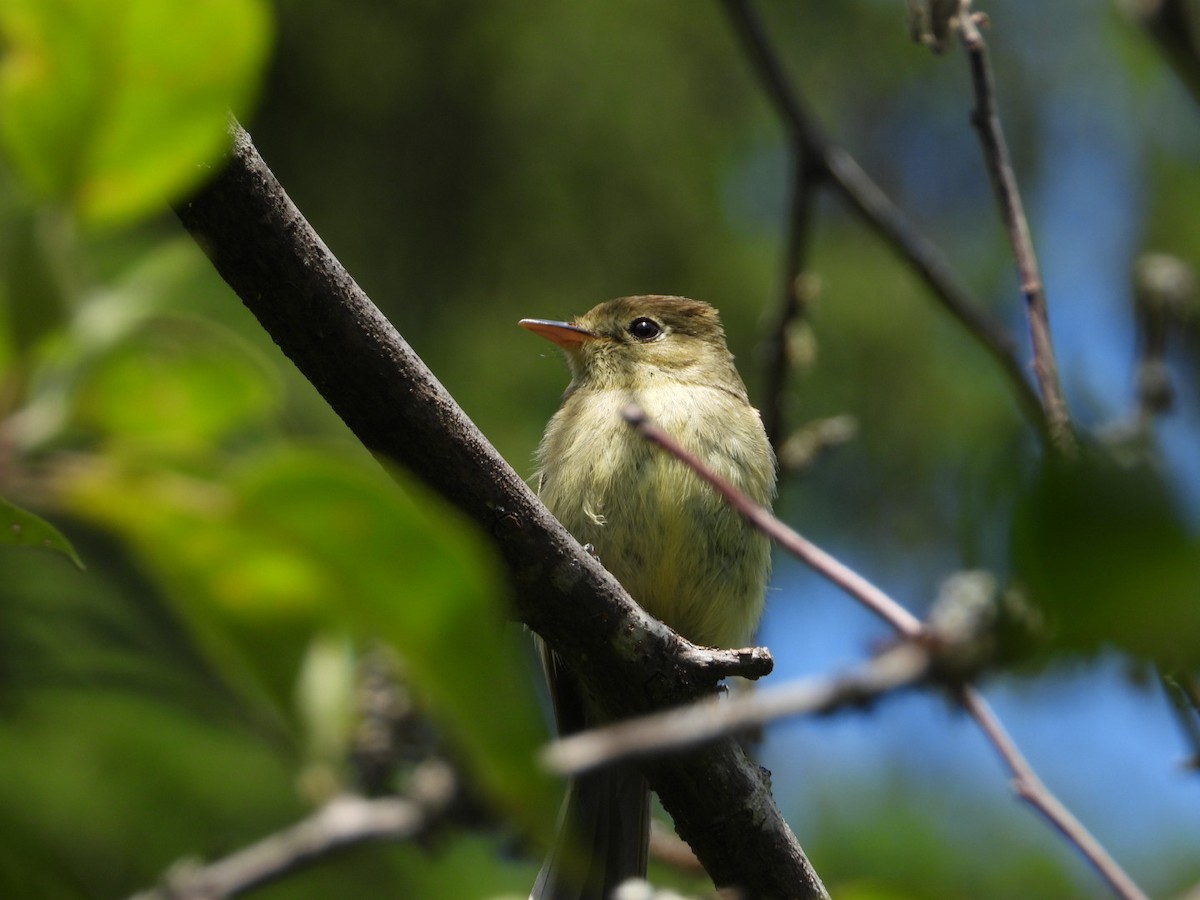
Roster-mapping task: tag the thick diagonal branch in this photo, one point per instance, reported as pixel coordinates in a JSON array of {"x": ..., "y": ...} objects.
[{"x": 311, "y": 307}]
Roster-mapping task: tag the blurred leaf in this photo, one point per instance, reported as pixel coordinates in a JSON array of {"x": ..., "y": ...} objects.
[
  {"x": 127, "y": 368},
  {"x": 150, "y": 283},
  {"x": 37, "y": 257},
  {"x": 21, "y": 528},
  {"x": 124, "y": 785},
  {"x": 472, "y": 865},
  {"x": 177, "y": 383},
  {"x": 297, "y": 541},
  {"x": 420, "y": 576},
  {"x": 250, "y": 601},
  {"x": 117, "y": 105},
  {"x": 1104, "y": 552}
]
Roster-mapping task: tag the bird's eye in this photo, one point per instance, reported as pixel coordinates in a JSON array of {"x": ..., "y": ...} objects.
[{"x": 644, "y": 329}]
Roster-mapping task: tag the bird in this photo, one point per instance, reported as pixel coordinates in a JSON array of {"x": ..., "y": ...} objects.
[{"x": 677, "y": 548}]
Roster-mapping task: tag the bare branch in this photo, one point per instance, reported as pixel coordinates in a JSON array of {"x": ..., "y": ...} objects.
[
  {"x": 844, "y": 577},
  {"x": 1025, "y": 782},
  {"x": 630, "y": 663},
  {"x": 1029, "y": 787},
  {"x": 986, "y": 120},
  {"x": 836, "y": 166},
  {"x": 343, "y": 822},
  {"x": 900, "y": 666}
]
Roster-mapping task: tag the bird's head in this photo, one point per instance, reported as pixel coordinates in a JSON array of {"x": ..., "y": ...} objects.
[{"x": 634, "y": 342}]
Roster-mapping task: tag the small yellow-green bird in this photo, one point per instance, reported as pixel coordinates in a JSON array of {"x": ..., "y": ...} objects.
[{"x": 672, "y": 542}]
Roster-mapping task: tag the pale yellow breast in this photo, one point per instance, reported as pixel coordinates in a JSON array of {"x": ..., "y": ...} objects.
[{"x": 668, "y": 538}]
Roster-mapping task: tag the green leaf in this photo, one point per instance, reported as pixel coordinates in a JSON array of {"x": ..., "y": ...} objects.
[
  {"x": 251, "y": 601},
  {"x": 296, "y": 542},
  {"x": 176, "y": 383},
  {"x": 117, "y": 105},
  {"x": 416, "y": 573},
  {"x": 37, "y": 255},
  {"x": 1104, "y": 552},
  {"x": 21, "y": 528}
]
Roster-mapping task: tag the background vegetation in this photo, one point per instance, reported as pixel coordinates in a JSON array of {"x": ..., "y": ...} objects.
[{"x": 193, "y": 686}]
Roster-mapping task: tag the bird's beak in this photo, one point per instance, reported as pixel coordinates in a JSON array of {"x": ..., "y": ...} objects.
[{"x": 564, "y": 334}]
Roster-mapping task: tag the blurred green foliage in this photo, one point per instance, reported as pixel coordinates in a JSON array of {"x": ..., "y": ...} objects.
[
  {"x": 112, "y": 106},
  {"x": 473, "y": 163},
  {"x": 1105, "y": 551}
]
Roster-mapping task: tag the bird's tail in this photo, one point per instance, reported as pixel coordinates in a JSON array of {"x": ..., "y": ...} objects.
[{"x": 602, "y": 840}]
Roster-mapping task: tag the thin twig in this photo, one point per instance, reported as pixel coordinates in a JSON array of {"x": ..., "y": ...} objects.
[
  {"x": 986, "y": 120},
  {"x": 342, "y": 822},
  {"x": 1191, "y": 690},
  {"x": 900, "y": 666},
  {"x": 1025, "y": 782},
  {"x": 1029, "y": 787},
  {"x": 843, "y": 576},
  {"x": 841, "y": 170}
]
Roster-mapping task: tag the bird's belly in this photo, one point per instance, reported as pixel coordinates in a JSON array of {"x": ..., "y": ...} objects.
[{"x": 675, "y": 545}]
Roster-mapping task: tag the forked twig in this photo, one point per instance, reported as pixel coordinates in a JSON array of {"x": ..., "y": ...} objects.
[{"x": 834, "y": 165}]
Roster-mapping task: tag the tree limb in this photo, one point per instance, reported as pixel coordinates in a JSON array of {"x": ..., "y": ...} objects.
[{"x": 265, "y": 250}]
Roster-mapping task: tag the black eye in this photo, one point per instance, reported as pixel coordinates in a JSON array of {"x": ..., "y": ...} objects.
[{"x": 644, "y": 329}]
